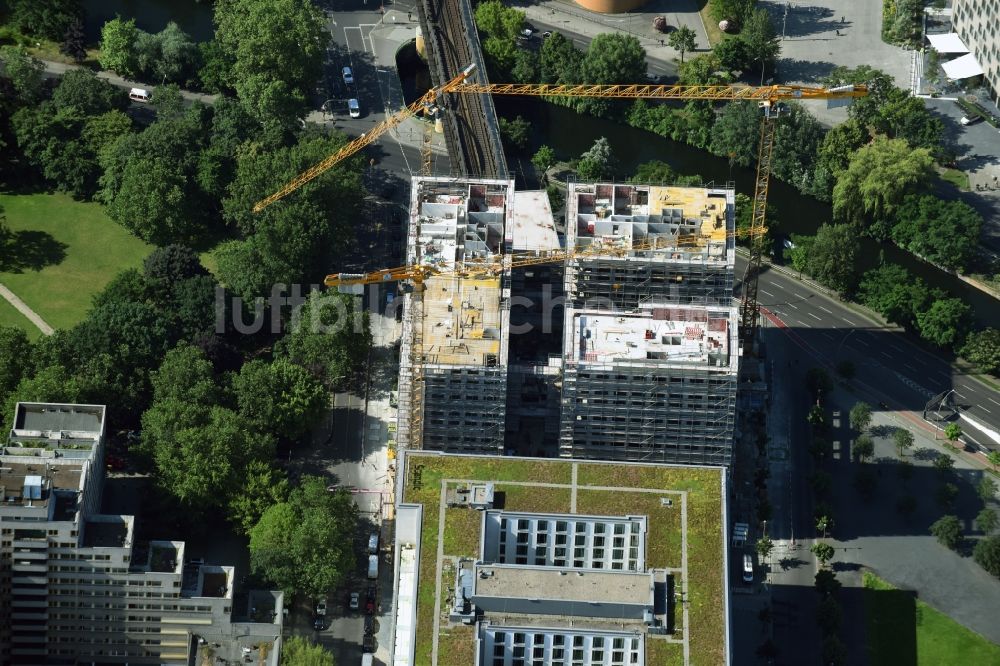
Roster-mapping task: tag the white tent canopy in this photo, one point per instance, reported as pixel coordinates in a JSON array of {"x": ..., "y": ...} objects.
[
  {"x": 962, "y": 68},
  {"x": 947, "y": 43}
]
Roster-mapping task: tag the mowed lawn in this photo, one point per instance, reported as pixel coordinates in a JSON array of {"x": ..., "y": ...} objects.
[
  {"x": 68, "y": 252},
  {"x": 905, "y": 630},
  {"x": 9, "y": 316}
]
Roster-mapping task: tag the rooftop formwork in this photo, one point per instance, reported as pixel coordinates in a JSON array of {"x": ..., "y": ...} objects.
[{"x": 650, "y": 344}]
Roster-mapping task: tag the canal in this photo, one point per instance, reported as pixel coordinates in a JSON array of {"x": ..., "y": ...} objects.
[{"x": 193, "y": 17}]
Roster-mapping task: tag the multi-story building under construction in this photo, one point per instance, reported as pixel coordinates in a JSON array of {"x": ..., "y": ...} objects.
[
  {"x": 650, "y": 339},
  {"x": 649, "y": 344},
  {"x": 453, "y": 356}
]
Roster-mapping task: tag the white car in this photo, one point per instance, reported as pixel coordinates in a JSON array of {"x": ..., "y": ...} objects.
[
  {"x": 747, "y": 568},
  {"x": 355, "y": 602},
  {"x": 353, "y": 108},
  {"x": 348, "y": 75}
]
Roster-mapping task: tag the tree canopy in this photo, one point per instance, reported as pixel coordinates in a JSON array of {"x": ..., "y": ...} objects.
[
  {"x": 877, "y": 179},
  {"x": 300, "y": 651},
  {"x": 944, "y": 232},
  {"x": 280, "y": 397},
  {"x": 983, "y": 349},
  {"x": 305, "y": 544},
  {"x": 276, "y": 48}
]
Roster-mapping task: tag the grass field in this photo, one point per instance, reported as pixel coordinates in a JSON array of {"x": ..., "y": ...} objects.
[
  {"x": 903, "y": 630},
  {"x": 602, "y": 489},
  {"x": 9, "y": 316},
  {"x": 958, "y": 178},
  {"x": 67, "y": 252}
]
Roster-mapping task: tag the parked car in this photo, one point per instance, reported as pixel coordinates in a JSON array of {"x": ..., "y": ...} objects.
[
  {"x": 546, "y": 34},
  {"x": 321, "y": 607},
  {"x": 348, "y": 75},
  {"x": 355, "y": 601},
  {"x": 373, "y": 566},
  {"x": 971, "y": 120},
  {"x": 747, "y": 568},
  {"x": 354, "y": 108},
  {"x": 373, "y": 543},
  {"x": 319, "y": 622}
]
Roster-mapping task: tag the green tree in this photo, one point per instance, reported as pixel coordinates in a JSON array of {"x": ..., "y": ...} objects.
[
  {"x": 24, "y": 71},
  {"x": 299, "y": 651},
  {"x": 526, "y": 67},
  {"x": 944, "y": 232},
  {"x": 831, "y": 256},
  {"x": 276, "y": 48},
  {"x": 946, "y": 495},
  {"x": 89, "y": 95},
  {"x": 952, "y": 432},
  {"x": 298, "y": 238},
  {"x": 15, "y": 359},
  {"x": 761, "y": 39},
  {"x": 797, "y": 140},
  {"x": 217, "y": 65},
  {"x": 986, "y": 489},
  {"x": 826, "y": 582},
  {"x": 281, "y": 398},
  {"x": 305, "y": 545},
  {"x": 74, "y": 41},
  {"x": 834, "y": 154},
  {"x": 501, "y": 56},
  {"x": 168, "y": 101},
  {"x": 736, "y": 11},
  {"x": 877, "y": 178},
  {"x": 903, "y": 439},
  {"x": 733, "y": 54},
  {"x": 987, "y": 521},
  {"x": 515, "y": 133},
  {"x": 863, "y": 448},
  {"x": 48, "y": 19},
  {"x": 682, "y": 40},
  {"x": 612, "y": 57},
  {"x": 945, "y": 322},
  {"x": 944, "y": 463},
  {"x": 331, "y": 339},
  {"x": 118, "y": 39},
  {"x": 982, "y": 348},
  {"x": 654, "y": 171},
  {"x": 597, "y": 163},
  {"x": 544, "y": 159},
  {"x": 824, "y": 524},
  {"x": 846, "y": 370},
  {"x": 824, "y": 552},
  {"x": 736, "y": 122},
  {"x": 178, "y": 54},
  {"x": 764, "y": 547},
  {"x": 495, "y": 19},
  {"x": 186, "y": 375},
  {"x": 201, "y": 452},
  {"x": 861, "y": 416},
  {"x": 994, "y": 458},
  {"x": 987, "y": 554},
  {"x": 560, "y": 61},
  {"x": 818, "y": 382},
  {"x": 895, "y": 293},
  {"x": 263, "y": 487},
  {"x": 948, "y": 531}
]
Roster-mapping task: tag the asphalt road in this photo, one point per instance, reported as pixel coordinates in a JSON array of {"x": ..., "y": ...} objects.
[{"x": 889, "y": 365}]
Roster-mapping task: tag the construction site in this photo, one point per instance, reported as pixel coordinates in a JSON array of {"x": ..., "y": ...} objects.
[{"x": 636, "y": 359}]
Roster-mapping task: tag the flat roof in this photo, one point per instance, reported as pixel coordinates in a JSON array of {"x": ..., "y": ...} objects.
[
  {"x": 105, "y": 533},
  {"x": 533, "y": 226},
  {"x": 694, "y": 336},
  {"x": 697, "y": 509},
  {"x": 52, "y": 416},
  {"x": 54, "y": 477},
  {"x": 529, "y": 582}
]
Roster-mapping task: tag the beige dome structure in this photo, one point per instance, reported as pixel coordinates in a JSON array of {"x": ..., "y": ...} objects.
[{"x": 611, "y": 6}]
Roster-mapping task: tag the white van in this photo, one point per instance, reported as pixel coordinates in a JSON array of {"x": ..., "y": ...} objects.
[
  {"x": 373, "y": 566},
  {"x": 354, "y": 108},
  {"x": 139, "y": 95}
]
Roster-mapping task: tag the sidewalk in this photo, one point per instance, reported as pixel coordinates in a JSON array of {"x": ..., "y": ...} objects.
[
  {"x": 60, "y": 68},
  {"x": 23, "y": 308}
]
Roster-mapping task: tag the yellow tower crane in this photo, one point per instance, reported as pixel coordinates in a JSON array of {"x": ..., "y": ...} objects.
[{"x": 768, "y": 97}]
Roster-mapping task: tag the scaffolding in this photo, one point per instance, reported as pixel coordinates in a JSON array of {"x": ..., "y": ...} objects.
[
  {"x": 653, "y": 404},
  {"x": 453, "y": 356}
]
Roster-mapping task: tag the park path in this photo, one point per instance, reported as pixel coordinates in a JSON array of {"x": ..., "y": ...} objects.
[{"x": 23, "y": 308}]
